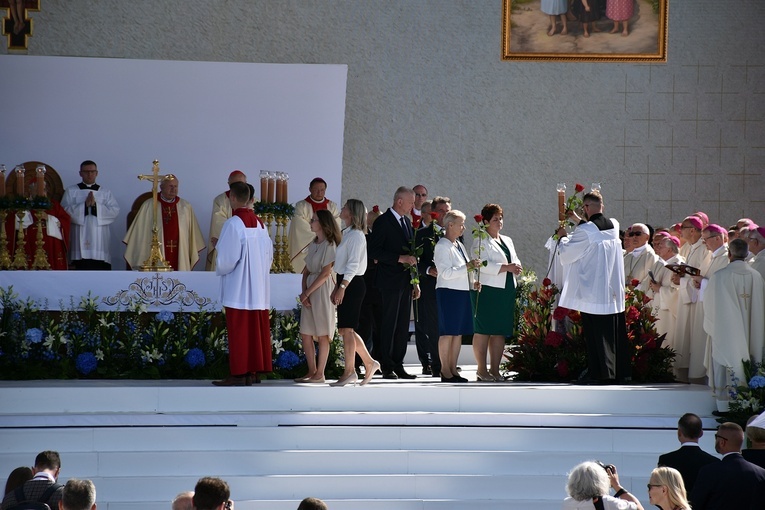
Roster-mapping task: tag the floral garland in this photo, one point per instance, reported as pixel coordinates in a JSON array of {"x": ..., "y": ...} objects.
[
  {"x": 278, "y": 209},
  {"x": 544, "y": 353},
  {"x": 84, "y": 342}
]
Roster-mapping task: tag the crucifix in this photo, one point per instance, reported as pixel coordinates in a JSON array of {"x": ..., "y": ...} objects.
[
  {"x": 155, "y": 262},
  {"x": 16, "y": 25}
]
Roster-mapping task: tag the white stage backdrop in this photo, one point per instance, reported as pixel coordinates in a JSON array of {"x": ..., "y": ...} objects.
[{"x": 201, "y": 120}]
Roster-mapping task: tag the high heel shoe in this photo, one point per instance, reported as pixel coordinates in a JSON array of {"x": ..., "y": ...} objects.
[
  {"x": 497, "y": 377},
  {"x": 352, "y": 378},
  {"x": 487, "y": 377},
  {"x": 369, "y": 373}
]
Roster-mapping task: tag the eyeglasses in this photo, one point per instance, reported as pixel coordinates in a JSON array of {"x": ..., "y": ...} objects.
[
  {"x": 705, "y": 239},
  {"x": 228, "y": 504},
  {"x": 686, "y": 226},
  {"x": 635, "y": 234},
  {"x": 421, "y": 195},
  {"x": 718, "y": 436},
  {"x": 652, "y": 485}
]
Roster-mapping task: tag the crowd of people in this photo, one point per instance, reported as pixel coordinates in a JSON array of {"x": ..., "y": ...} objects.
[{"x": 683, "y": 479}]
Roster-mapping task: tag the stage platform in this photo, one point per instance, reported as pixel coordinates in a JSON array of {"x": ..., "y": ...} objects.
[{"x": 406, "y": 445}]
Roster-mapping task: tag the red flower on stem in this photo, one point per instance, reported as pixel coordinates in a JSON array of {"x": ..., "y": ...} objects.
[
  {"x": 375, "y": 208},
  {"x": 560, "y": 313},
  {"x": 478, "y": 218},
  {"x": 554, "y": 339},
  {"x": 633, "y": 314},
  {"x": 634, "y": 282},
  {"x": 578, "y": 188},
  {"x": 546, "y": 282},
  {"x": 433, "y": 214}
]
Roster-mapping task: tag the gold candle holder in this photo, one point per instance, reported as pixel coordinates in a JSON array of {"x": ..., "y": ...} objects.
[
  {"x": 269, "y": 220},
  {"x": 286, "y": 263},
  {"x": 41, "y": 258},
  {"x": 20, "y": 255},
  {"x": 5, "y": 256}
]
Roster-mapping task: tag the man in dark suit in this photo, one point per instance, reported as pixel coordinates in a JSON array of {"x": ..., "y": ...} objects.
[
  {"x": 732, "y": 483},
  {"x": 427, "y": 312},
  {"x": 689, "y": 458},
  {"x": 42, "y": 487},
  {"x": 389, "y": 245}
]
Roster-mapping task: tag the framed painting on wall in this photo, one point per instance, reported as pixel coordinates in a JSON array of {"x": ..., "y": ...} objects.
[{"x": 585, "y": 30}]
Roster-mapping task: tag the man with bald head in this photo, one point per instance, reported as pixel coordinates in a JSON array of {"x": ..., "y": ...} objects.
[
  {"x": 183, "y": 501},
  {"x": 179, "y": 234},
  {"x": 641, "y": 259},
  {"x": 221, "y": 211},
  {"x": 756, "y": 242},
  {"x": 734, "y": 301},
  {"x": 732, "y": 483}
]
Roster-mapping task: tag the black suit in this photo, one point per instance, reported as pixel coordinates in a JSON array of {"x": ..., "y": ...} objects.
[
  {"x": 731, "y": 484},
  {"x": 387, "y": 242},
  {"x": 688, "y": 460},
  {"x": 426, "y": 319}
]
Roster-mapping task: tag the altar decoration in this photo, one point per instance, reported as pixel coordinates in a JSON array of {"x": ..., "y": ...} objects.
[
  {"x": 82, "y": 341},
  {"x": 156, "y": 261},
  {"x": 276, "y": 217},
  {"x": 555, "y": 351},
  {"x": 747, "y": 397}
]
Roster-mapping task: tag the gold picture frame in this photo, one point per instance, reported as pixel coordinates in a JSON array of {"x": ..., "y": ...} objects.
[{"x": 526, "y": 32}]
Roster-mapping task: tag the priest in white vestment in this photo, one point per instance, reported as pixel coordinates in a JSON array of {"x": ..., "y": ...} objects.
[
  {"x": 180, "y": 237},
  {"x": 245, "y": 253},
  {"x": 93, "y": 209},
  {"x": 734, "y": 318},
  {"x": 713, "y": 237},
  {"x": 756, "y": 242},
  {"x": 300, "y": 234},
  {"x": 594, "y": 284},
  {"x": 221, "y": 211},
  {"x": 696, "y": 255},
  {"x": 665, "y": 296},
  {"x": 641, "y": 258}
]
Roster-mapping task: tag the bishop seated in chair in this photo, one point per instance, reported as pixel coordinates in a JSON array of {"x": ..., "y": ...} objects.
[{"x": 179, "y": 234}]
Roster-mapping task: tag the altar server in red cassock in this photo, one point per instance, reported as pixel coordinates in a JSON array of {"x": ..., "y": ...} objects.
[{"x": 243, "y": 261}]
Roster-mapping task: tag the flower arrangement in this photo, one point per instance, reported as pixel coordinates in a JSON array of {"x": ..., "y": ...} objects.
[
  {"x": 557, "y": 352},
  {"x": 278, "y": 209},
  {"x": 747, "y": 397},
  {"x": 84, "y": 342}
]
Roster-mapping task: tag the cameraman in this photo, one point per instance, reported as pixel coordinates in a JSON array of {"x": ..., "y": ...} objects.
[{"x": 587, "y": 488}]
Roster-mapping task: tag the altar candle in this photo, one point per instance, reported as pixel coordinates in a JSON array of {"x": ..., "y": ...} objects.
[
  {"x": 272, "y": 188},
  {"x": 280, "y": 189},
  {"x": 263, "y": 186},
  {"x": 20, "y": 181},
  {"x": 41, "y": 181},
  {"x": 561, "y": 205},
  {"x": 286, "y": 187}
]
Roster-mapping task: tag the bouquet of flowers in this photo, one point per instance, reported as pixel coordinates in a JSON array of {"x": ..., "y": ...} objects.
[{"x": 747, "y": 397}]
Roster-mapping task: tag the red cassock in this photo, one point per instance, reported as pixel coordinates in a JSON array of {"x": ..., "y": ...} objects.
[{"x": 56, "y": 249}]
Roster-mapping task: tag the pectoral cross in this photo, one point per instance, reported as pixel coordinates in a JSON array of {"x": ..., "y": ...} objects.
[
  {"x": 167, "y": 214},
  {"x": 745, "y": 296},
  {"x": 17, "y": 26}
]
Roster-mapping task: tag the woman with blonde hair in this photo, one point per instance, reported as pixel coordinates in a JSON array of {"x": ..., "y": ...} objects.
[
  {"x": 667, "y": 490},
  {"x": 317, "y": 319}
]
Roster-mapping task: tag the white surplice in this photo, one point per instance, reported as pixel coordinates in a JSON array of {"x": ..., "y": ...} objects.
[{"x": 90, "y": 235}]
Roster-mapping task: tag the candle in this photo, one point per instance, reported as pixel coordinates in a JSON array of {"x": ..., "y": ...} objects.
[
  {"x": 19, "y": 180},
  {"x": 280, "y": 188},
  {"x": 561, "y": 201},
  {"x": 263, "y": 186},
  {"x": 2, "y": 181},
  {"x": 41, "y": 181},
  {"x": 271, "y": 188},
  {"x": 286, "y": 187}
]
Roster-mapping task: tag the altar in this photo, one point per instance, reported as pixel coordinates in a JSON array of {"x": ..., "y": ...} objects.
[{"x": 115, "y": 290}]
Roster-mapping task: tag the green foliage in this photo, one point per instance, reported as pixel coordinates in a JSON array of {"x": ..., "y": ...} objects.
[{"x": 747, "y": 397}]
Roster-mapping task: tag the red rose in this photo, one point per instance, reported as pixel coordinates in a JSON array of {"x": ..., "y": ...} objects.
[
  {"x": 579, "y": 188},
  {"x": 646, "y": 298},
  {"x": 634, "y": 282},
  {"x": 632, "y": 313},
  {"x": 574, "y": 315},
  {"x": 562, "y": 368},
  {"x": 554, "y": 339},
  {"x": 546, "y": 282},
  {"x": 433, "y": 215},
  {"x": 560, "y": 313},
  {"x": 375, "y": 208},
  {"x": 478, "y": 218}
]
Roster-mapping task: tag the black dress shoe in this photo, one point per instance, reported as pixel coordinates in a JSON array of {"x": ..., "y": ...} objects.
[
  {"x": 389, "y": 375},
  {"x": 426, "y": 370},
  {"x": 403, "y": 374}
]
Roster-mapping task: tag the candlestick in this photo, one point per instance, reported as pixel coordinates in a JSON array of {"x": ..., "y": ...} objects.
[
  {"x": 264, "y": 186},
  {"x": 272, "y": 187},
  {"x": 19, "y": 180},
  {"x": 40, "y": 180},
  {"x": 561, "y": 201},
  {"x": 2, "y": 181}
]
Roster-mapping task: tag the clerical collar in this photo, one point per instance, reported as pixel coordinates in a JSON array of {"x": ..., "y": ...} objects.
[
  {"x": 93, "y": 186},
  {"x": 317, "y": 201},
  {"x": 171, "y": 201}
]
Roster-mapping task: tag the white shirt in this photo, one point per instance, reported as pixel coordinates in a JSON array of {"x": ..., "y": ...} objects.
[{"x": 351, "y": 254}]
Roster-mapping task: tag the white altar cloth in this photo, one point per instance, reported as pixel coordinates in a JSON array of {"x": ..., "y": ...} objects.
[{"x": 113, "y": 290}]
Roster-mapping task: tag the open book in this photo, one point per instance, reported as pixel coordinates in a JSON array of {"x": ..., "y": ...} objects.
[{"x": 683, "y": 269}]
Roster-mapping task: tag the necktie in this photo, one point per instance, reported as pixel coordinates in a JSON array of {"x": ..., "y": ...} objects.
[{"x": 407, "y": 234}]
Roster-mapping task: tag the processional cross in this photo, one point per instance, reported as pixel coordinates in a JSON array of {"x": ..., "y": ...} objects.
[{"x": 155, "y": 262}]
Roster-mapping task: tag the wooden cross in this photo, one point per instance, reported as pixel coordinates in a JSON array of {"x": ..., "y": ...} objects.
[{"x": 17, "y": 26}]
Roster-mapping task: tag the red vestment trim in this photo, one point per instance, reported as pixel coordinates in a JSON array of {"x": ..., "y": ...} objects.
[{"x": 170, "y": 231}]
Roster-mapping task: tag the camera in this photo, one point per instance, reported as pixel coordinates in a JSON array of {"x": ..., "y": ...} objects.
[{"x": 607, "y": 467}]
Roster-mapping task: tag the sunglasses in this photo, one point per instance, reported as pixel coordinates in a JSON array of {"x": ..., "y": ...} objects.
[{"x": 635, "y": 234}]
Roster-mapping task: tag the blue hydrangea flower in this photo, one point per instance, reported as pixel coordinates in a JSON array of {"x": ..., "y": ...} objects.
[
  {"x": 34, "y": 335},
  {"x": 195, "y": 357},
  {"x": 165, "y": 316},
  {"x": 757, "y": 381},
  {"x": 287, "y": 360},
  {"x": 86, "y": 363}
]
